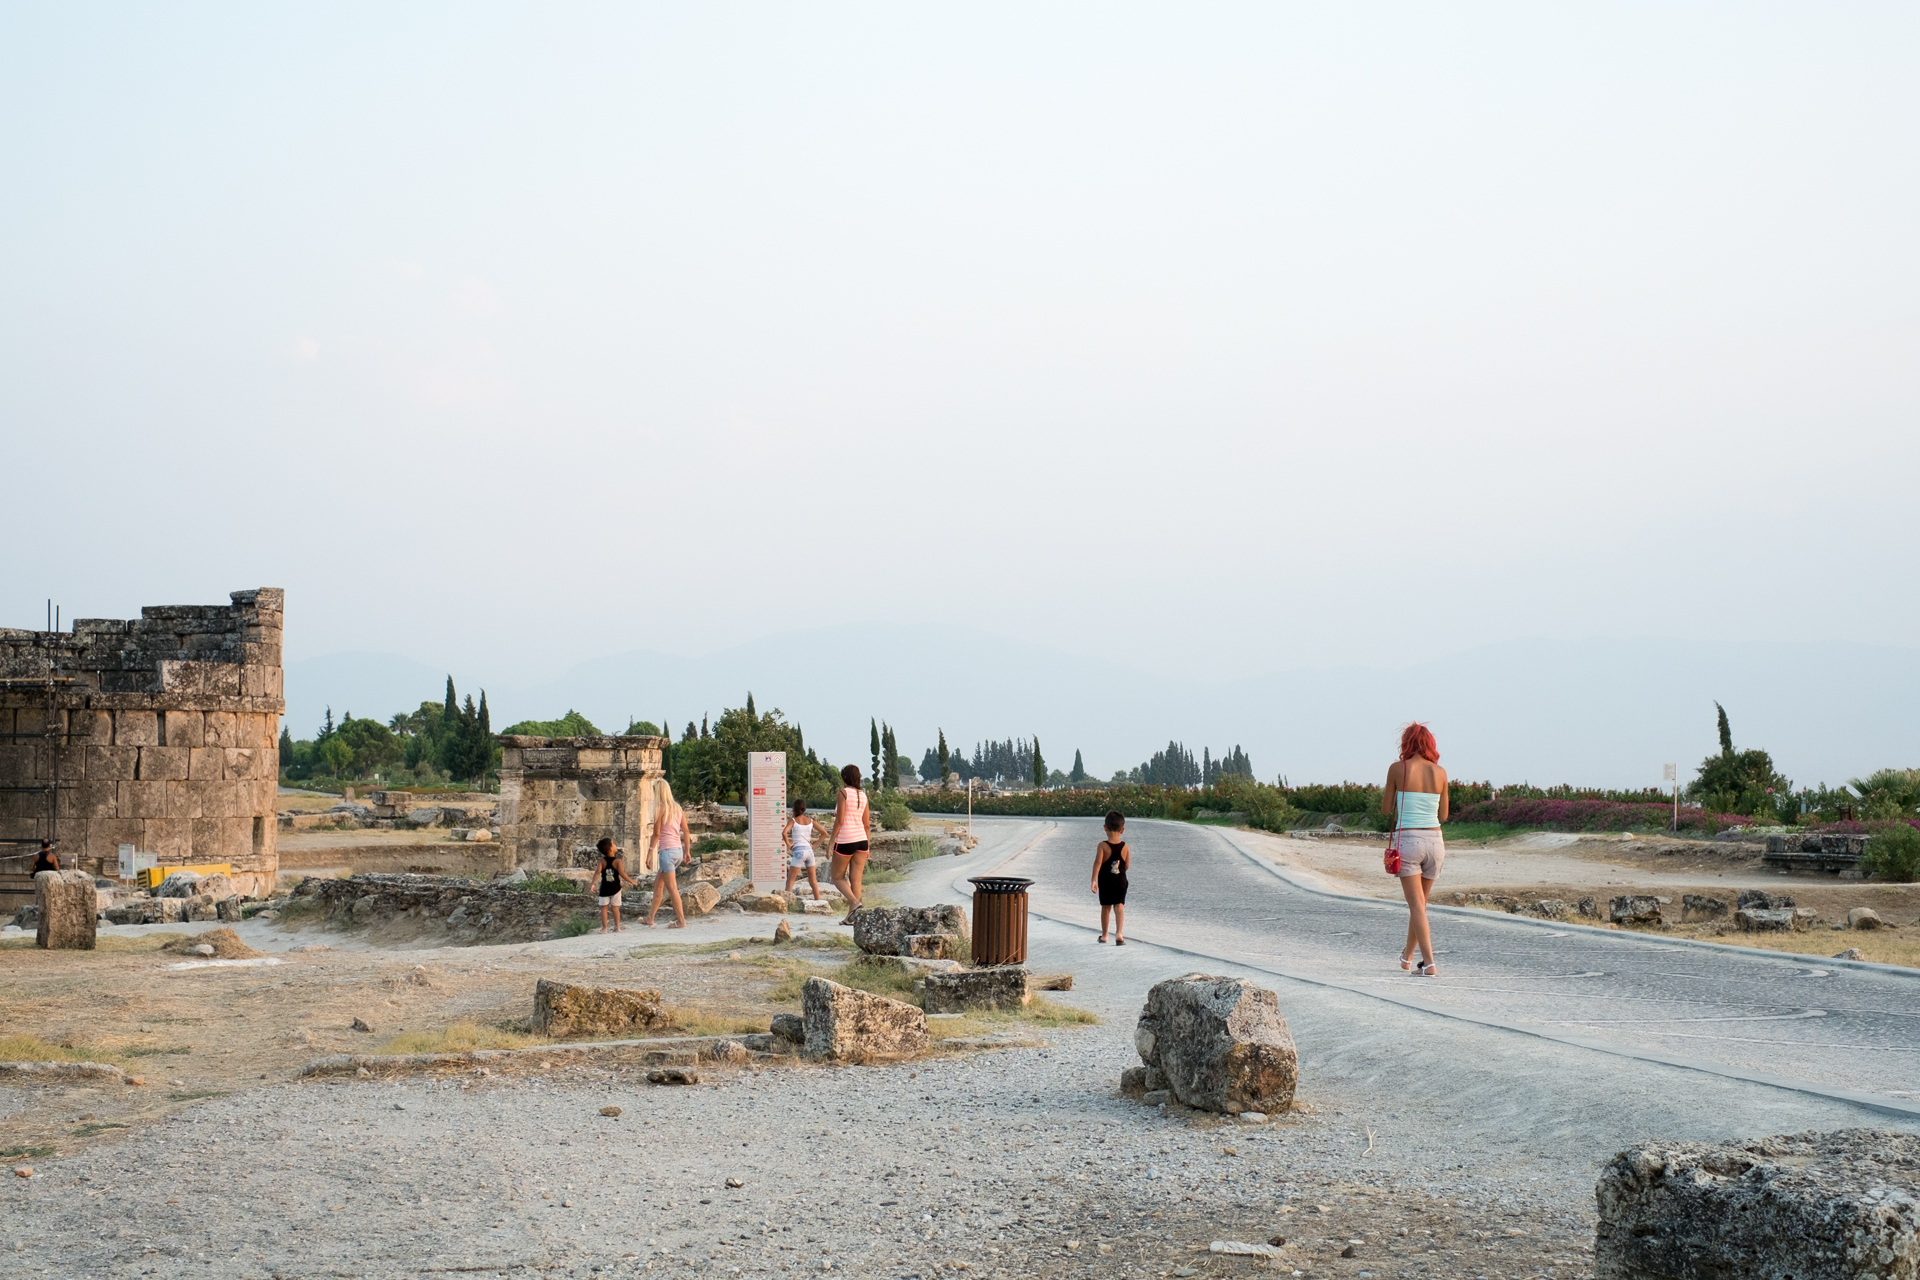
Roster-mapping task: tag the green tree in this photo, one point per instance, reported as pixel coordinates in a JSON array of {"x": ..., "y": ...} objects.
[
  {"x": 946, "y": 768},
  {"x": 333, "y": 755},
  {"x": 889, "y": 759},
  {"x": 1079, "y": 773},
  {"x": 1726, "y": 731},
  {"x": 1739, "y": 781},
  {"x": 873, "y": 737},
  {"x": 1039, "y": 764},
  {"x": 749, "y": 703},
  {"x": 286, "y": 748},
  {"x": 640, "y": 729},
  {"x": 570, "y": 725}
]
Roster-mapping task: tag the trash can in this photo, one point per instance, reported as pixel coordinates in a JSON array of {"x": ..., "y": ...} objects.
[{"x": 1000, "y": 919}]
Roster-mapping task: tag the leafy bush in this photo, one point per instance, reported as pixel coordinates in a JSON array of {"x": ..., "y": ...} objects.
[
  {"x": 716, "y": 842},
  {"x": 550, "y": 882},
  {"x": 894, "y": 814},
  {"x": 1592, "y": 815},
  {"x": 1894, "y": 853},
  {"x": 921, "y": 846}
]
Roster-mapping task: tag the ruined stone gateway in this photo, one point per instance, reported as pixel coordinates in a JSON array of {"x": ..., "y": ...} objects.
[
  {"x": 559, "y": 796},
  {"x": 160, "y": 732}
]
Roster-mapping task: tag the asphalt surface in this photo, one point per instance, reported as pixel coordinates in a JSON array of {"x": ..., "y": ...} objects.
[{"x": 1844, "y": 1032}]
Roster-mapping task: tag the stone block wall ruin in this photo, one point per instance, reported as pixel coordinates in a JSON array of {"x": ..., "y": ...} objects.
[
  {"x": 160, "y": 732},
  {"x": 560, "y": 795}
]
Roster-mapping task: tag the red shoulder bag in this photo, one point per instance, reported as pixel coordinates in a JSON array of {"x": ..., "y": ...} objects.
[{"x": 1392, "y": 858}]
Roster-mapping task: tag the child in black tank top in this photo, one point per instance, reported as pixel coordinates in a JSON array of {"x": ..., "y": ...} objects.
[{"x": 1111, "y": 858}]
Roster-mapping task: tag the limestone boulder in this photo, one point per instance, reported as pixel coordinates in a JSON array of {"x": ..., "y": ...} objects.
[
  {"x": 1221, "y": 1043},
  {"x": 932, "y": 946},
  {"x": 790, "y": 1027},
  {"x": 68, "y": 910},
  {"x": 201, "y": 908},
  {"x": 844, "y": 1025},
  {"x": 181, "y": 884},
  {"x": 228, "y": 909},
  {"x": 883, "y": 931},
  {"x": 1810, "y": 1206},
  {"x": 1864, "y": 918},
  {"x": 1698, "y": 906},
  {"x": 1002, "y": 986},
  {"x": 772, "y": 903},
  {"x": 1634, "y": 908},
  {"x": 1761, "y": 900},
  {"x": 1762, "y": 920},
  {"x": 567, "y": 1009},
  {"x": 700, "y": 899},
  {"x": 216, "y": 886}
]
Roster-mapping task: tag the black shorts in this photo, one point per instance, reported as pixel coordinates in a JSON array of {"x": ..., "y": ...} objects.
[
  {"x": 848, "y": 850},
  {"x": 1113, "y": 890}
]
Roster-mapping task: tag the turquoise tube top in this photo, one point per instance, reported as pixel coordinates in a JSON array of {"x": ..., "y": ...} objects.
[{"x": 1419, "y": 809}]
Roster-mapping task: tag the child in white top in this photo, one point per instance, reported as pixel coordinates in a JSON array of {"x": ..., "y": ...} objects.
[{"x": 798, "y": 839}]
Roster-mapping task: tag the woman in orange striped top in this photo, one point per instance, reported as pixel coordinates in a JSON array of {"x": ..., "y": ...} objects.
[{"x": 852, "y": 839}]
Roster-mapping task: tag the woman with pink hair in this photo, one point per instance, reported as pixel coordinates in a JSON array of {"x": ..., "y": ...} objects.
[{"x": 1416, "y": 796}]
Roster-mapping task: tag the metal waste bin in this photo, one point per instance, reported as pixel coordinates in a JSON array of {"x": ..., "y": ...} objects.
[{"x": 1000, "y": 919}]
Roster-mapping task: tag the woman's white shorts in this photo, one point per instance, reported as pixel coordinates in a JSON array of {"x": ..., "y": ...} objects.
[{"x": 1422, "y": 852}]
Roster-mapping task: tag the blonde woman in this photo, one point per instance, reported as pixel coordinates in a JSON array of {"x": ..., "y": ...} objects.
[
  {"x": 852, "y": 838},
  {"x": 666, "y": 849}
]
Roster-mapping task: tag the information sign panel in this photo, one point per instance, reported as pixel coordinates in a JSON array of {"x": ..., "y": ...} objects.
[{"x": 766, "y": 817}]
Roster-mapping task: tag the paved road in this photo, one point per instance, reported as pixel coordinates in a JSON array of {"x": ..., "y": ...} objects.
[{"x": 1839, "y": 1030}]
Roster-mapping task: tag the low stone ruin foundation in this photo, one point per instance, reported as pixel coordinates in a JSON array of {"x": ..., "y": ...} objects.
[
  {"x": 560, "y": 796},
  {"x": 160, "y": 732}
]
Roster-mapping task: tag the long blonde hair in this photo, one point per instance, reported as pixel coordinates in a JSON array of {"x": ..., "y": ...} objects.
[{"x": 665, "y": 807}]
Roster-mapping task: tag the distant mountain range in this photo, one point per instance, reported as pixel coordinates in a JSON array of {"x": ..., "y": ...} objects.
[{"x": 1595, "y": 712}]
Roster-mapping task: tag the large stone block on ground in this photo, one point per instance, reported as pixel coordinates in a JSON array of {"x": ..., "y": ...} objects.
[
  {"x": 1000, "y": 986},
  {"x": 1761, "y": 920},
  {"x": 216, "y": 886},
  {"x": 181, "y": 884},
  {"x": 1221, "y": 1043},
  {"x": 1761, "y": 900},
  {"x": 699, "y": 899},
  {"x": 1634, "y": 908},
  {"x": 1810, "y": 1206},
  {"x": 931, "y": 946},
  {"x": 883, "y": 931},
  {"x": 1698, "y": 906},
  {"x": 844, "y": 1025},
  {"x": 565, "y": 1009},
  {"x": 68, "y": 910}
]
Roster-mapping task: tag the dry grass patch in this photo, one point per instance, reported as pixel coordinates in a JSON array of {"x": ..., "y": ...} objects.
[
  {"x": 31, "y": 1048},
  {"x": 689, "y": 1020},
  {"x": 110, "y": 943},
  {"x": 1881, "y": 946},
  {"x": 461, "y": 1037}
]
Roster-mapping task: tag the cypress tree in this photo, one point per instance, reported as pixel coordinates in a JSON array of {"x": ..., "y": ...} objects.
[
  {"x": 1726, "y": 731},
  {"x": 946, "y": 772},
  {"x": 1039, "y": 764},
  {"x": 749, "y": 704},
  {"x": 452, "y": 710},
  {"x": 1079, "y": 773},
  {"x": 286, "y": 747},
  {"x": 873, "y": 743}
]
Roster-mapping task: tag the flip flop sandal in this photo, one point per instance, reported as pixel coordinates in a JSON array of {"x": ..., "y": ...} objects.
[{"x": 1119, "y": 942}]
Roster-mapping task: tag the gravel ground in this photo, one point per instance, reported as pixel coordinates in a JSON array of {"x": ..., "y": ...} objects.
[{"x": 1425, "y": 1145}]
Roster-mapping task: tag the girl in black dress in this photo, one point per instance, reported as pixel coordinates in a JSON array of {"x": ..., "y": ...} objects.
[{"x": 1111, "y": 857}]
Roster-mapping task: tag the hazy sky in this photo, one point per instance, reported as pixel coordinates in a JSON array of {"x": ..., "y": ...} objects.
[{"x": 1220, "y": 338}]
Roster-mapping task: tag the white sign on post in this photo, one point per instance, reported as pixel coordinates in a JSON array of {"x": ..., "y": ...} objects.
[{"x": 766, "y": 817}]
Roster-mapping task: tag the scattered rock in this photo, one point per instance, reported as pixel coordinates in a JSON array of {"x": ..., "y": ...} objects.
[
  {"x": 783, "y": 932},
  {"x": 1697, "y": 906},
  {"x": 1760, "y": 899},
  {"x": 1133, "y": 1082},
  {"x": 1805, "y": 1205},
  {"x": 25, "y": 1170},
  {"x": 883, "y": 931},
  {"x": 420, "y": 977},
  {"x": 1864, "y": 918},
  {"x": 612, "y": 1113},
  {"x": 201, "y": 909},
  {"x": 735, "y": 1183},
  {"x": 203, "y": 949},
  {"x": 1851, "y": 953},
  {"x": 1157, "y": 1097},
  {"x": 771, "y": 903},
  {"x": 217, "y": 886},
  {"x": 181, "y": 884},
  {"x": 361, "y": 1024},
  {"x": 565, "y": 1009},
  {"x": 1221, "y": 1042},
  {"x": 700, "y": 899},
  {"x": 1761, "y": 920},
  {"x": 844, "y": 1025},
  {"x": 228, "y": 909},
  {"x": 1252, "y": 1117},
  {"x": 790, "y": 1027},
  {"x": 1348, "y": 1252},
  {"x": 136, "y": 1080},
  {"x": 672, "y": 1075},
  {"x": 226, "y": 945},
  {"x": 1001, "y": 986},
  {"x": 1050, "y": 982},
  {"x": 1241, "y": 1249},
  {"x": 1635, "y": 908},
  {"x": 68, "y": 911},
  {"x": 1590, "y": 908},
  {"x": 918, "y": 968}
]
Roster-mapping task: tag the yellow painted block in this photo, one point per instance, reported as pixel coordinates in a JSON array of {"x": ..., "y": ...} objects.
[{"x": 154, "y": 877}]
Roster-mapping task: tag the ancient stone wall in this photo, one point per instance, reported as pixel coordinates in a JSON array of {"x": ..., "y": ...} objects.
[
  {"x": 559, "y": 796},
  {"x": 162, "y": 732}
]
